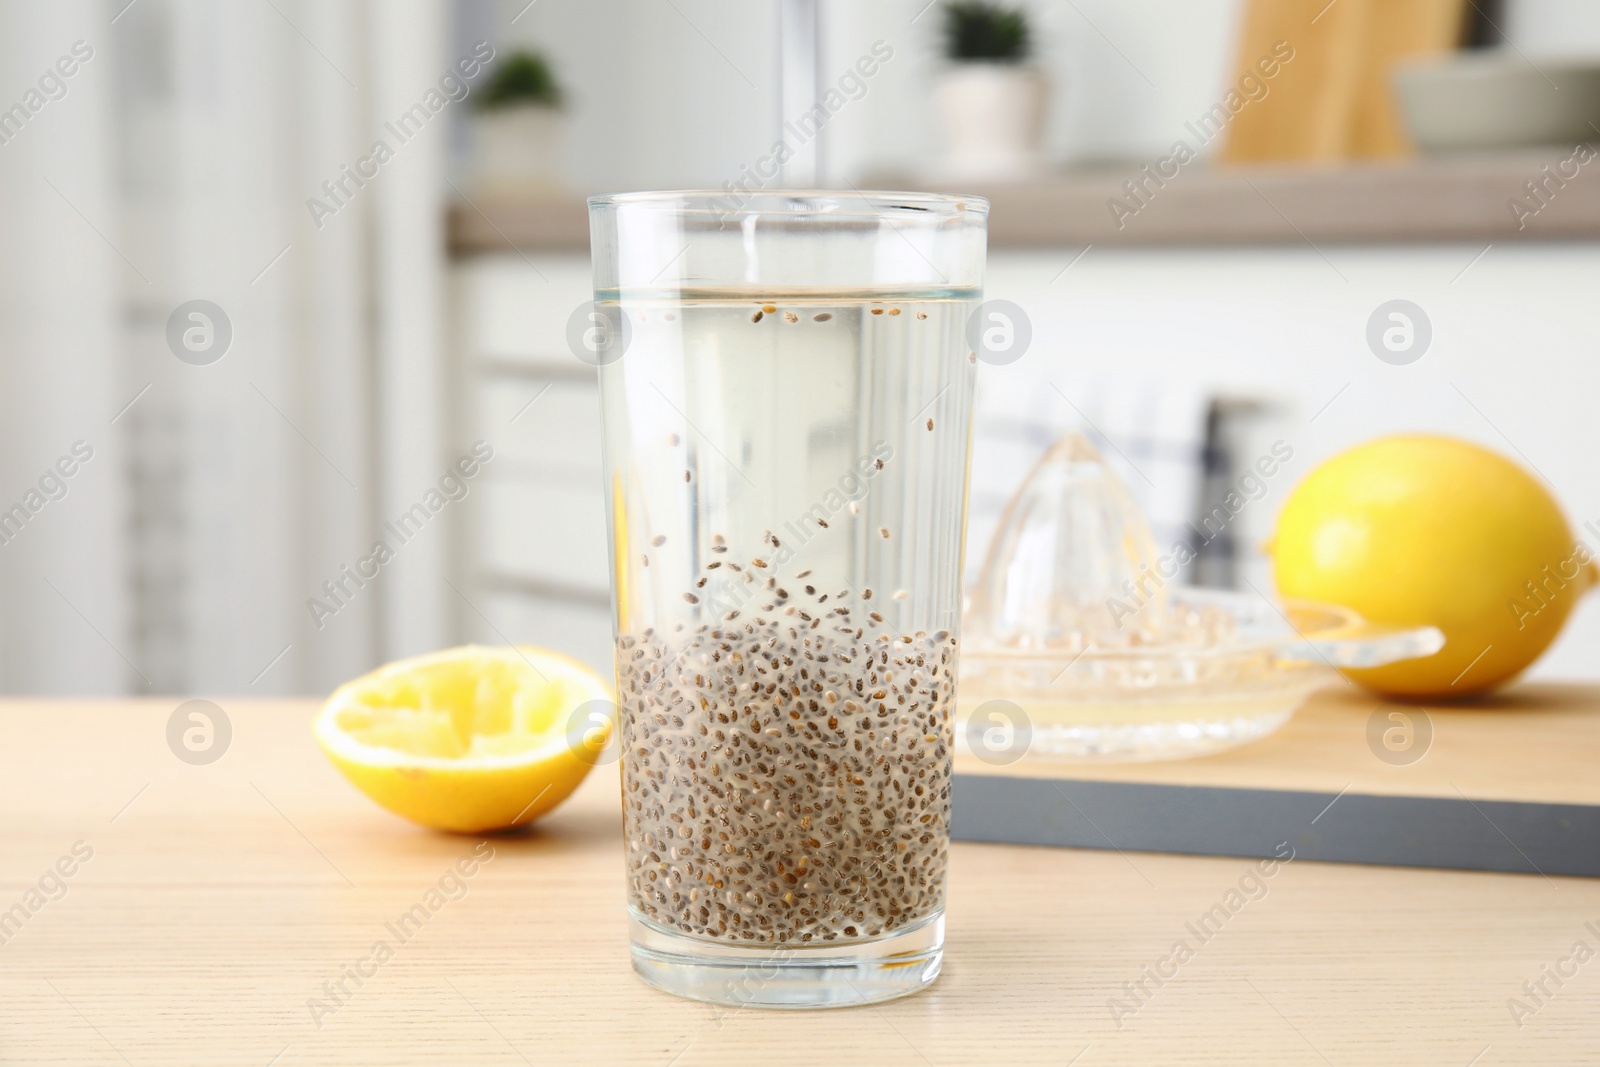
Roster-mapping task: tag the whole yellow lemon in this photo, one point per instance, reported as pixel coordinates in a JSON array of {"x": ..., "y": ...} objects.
[{"x": 1426, "y": 530}]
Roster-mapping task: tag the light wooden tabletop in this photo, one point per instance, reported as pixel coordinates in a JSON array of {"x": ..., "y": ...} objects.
[{"x": 207, "y": 906}]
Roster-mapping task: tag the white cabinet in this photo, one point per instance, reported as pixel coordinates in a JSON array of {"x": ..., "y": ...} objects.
[
  {"x": 534, "y": 555},
  {"x": 1272, "y": 340}
]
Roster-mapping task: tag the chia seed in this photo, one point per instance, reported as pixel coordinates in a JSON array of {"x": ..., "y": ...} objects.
[{"x": 782, "y": 785}]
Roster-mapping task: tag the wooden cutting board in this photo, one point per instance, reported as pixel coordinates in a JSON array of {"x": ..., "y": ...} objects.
[
  {"x": 1504, "y": 784},
  {"x": 1334, "y": 99}
]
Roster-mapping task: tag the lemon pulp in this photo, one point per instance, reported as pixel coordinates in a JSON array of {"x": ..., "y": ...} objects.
[{"x": 469, "y": 739}]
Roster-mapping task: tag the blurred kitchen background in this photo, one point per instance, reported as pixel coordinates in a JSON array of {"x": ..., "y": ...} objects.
[{"x": 373, "y": 313}]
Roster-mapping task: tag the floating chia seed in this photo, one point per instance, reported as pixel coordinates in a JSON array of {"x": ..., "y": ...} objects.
[
  {"x": 757, "y": 316},
  {"x": 768, "y": 308},
  {"x": 922, "y": 314},
  {"x": 822, "y": 316},
  {"x": 930, "y": 424},
  {"x": 877, "y": 311},
  {"x": 789, "y": 316},
  {"x": 894, "y": 311},
  {"x": 883, "y": 532},
  {"x": 658, "y": 540}
]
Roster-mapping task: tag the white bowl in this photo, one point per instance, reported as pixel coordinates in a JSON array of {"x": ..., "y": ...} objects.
[{"x": 1498, "y": 99}]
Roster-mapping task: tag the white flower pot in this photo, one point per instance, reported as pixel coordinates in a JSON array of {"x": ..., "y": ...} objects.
[
  {"x": 518, "y": 148},
  {"x": 993, "y": 116}
]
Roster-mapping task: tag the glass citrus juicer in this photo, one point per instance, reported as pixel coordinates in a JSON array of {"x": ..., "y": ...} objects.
[{"x": 1081, "y": 645}]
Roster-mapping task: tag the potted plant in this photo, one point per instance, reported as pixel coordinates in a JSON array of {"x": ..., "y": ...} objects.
[
  {"x": 520, "y": 133},
  {"x": 990, "y": 98}
]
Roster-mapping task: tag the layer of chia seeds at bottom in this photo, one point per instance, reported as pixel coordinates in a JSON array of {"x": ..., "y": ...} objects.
[{"x": 783, "y": 784}]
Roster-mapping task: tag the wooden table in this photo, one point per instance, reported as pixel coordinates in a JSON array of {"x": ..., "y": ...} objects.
[{"x": 219, "y": 899}]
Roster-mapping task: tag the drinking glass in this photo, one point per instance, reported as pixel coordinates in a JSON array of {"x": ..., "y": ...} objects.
[{"x": 786, "y": 387}]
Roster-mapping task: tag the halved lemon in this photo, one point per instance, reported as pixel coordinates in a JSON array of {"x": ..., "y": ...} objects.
[{"x": 469, "y": 739}]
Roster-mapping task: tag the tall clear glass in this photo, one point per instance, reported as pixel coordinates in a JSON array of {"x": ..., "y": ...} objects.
[{"x": 787, "y": 388}]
